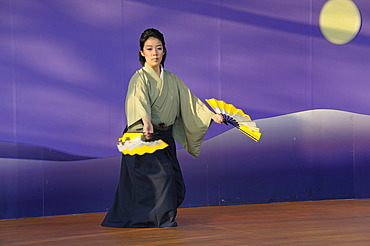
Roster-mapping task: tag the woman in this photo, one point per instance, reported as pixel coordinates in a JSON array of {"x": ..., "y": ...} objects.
[{"x": 151, "y": 186}]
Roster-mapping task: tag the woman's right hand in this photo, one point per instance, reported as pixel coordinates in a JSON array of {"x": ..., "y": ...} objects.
[{"x": 147, "y": 127}]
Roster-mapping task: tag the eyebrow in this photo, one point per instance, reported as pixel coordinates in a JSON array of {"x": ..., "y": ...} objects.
[{"x": 149, "y": 45}]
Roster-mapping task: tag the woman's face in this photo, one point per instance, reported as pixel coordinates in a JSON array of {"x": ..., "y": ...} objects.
[{"x": 153, "y": 52}]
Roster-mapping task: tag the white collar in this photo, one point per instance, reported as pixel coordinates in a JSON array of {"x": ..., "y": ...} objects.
[{"x": 161, "y": 75}]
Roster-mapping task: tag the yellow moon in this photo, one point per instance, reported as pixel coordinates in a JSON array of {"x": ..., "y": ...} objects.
[{"x": 340, "y": 21}]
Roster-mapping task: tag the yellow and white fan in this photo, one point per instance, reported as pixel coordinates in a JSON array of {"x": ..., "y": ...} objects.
[
  {"x": 236, "y": 117},
  {"x": 136, "y": 143}
]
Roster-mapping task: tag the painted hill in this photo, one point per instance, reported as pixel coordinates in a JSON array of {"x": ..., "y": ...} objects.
[
  {"x": 310, "y": 155},
  {"x": 31, "y": 152}
]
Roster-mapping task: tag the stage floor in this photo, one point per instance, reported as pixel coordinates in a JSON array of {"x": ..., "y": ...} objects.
[{"x": 338, "y": 222}]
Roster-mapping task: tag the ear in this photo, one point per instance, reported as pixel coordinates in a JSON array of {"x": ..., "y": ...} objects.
[{"x": 141, "y": 52}]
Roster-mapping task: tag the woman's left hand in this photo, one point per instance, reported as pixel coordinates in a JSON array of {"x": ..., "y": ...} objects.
[{"x": 218, "y": 118}]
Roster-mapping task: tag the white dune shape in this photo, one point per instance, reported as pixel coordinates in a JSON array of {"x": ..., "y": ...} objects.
[
  {"x": 291, "y": 125},
  {"x": 310, "y": 155}
]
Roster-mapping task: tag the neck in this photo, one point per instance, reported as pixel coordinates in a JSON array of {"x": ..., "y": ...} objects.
[{"x": 157, "y": 70}]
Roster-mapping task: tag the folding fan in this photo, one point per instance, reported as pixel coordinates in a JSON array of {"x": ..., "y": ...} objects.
[
  {"x": 135, "y": 143},
  {"x": 235, "y": 117}
]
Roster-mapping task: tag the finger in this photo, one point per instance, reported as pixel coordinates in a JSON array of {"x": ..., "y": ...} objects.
[{"x": 148, "y": 135}]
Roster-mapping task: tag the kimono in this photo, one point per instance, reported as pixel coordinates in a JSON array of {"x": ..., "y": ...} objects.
[{"x": 151, "y": 186}]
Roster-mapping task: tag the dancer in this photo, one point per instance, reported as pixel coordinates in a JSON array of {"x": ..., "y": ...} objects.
[{"x": 151, "y": 186}]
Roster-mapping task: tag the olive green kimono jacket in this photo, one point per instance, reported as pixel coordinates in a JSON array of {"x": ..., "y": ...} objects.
[{"x": 167, "y": 102}]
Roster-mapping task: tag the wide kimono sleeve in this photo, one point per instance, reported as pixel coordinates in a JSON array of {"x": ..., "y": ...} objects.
[
  {"x": 193, "y": 121},
  {"x": 137, "y": 100}
]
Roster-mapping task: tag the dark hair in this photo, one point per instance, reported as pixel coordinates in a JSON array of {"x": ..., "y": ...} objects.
[{"x": 151, "y": 33}]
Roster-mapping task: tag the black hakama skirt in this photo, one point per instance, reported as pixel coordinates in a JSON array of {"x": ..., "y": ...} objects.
[{"x": 150, "y": 189}]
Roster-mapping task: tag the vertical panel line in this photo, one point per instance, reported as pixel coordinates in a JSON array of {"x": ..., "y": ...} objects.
[{"x": 13, "y": 73}]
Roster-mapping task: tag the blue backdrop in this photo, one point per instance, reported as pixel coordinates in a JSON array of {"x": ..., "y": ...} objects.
[{"x": 65, "y": 67}]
